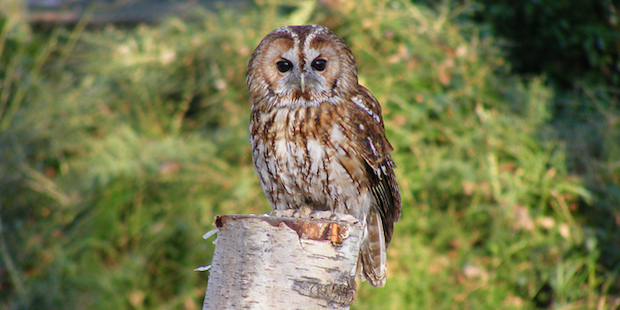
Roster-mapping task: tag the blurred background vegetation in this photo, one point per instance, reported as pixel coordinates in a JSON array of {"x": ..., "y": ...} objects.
[{"x": 120, "y": 141}]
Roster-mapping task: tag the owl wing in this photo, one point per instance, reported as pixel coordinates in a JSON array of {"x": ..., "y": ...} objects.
[{"x": 375, "y": 150}]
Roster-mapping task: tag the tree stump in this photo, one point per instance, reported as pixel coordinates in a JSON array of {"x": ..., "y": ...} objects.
[{"x": 274, "y": 262}]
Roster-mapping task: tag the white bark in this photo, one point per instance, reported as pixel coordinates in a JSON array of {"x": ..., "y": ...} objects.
[{"x": 270, "y": 262}]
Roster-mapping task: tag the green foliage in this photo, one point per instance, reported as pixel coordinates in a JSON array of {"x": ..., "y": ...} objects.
[
  {"x": 568, "y": 40},
  {"x": 124, "y": 143}
]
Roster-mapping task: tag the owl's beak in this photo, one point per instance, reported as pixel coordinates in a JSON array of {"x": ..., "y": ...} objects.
[{"x": 302, "y": 82}]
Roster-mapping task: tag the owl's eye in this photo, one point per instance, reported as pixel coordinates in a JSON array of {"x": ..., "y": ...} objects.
[
  {"x": 319, "y": 64},
  {"x": 284, "y": 65}
]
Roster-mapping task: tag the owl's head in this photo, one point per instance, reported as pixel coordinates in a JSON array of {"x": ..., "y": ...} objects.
[{"x": 301, "y": 65}]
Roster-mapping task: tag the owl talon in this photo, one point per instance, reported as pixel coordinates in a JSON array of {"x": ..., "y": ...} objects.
[
  {"x": 285, "y": 213},
  {"x": 321, "y": 215},
  {"x": 335, "y": 216},
  {"x": 303, "y": 212}
]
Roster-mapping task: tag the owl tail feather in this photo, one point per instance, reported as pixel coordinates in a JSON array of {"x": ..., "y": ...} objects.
[{"x": 372, "y": 261}]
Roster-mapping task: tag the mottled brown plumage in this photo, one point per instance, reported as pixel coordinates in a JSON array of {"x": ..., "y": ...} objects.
[{"x": 318, "y": 139}]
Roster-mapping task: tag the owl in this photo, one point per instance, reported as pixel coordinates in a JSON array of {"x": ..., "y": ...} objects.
[{"x": 318, "y": 139}]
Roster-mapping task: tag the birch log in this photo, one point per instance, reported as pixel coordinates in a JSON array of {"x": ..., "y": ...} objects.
[{"x": 271, "y": 262}]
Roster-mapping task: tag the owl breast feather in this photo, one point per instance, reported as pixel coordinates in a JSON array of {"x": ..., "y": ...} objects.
[{"x": 306, "y": 157}]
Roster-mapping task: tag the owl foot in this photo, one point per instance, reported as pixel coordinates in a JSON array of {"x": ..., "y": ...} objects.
[
  {"x": 284, "y": 213},
  {"x": 335, "y": 216},
  {"x": 303, "y": 212},
  {"x": 321, "y": 215}
]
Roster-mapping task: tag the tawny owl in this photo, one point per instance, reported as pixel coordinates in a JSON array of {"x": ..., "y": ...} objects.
[{"x": 318, "y": 139}]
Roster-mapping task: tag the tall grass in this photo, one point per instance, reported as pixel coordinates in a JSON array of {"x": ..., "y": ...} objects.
[{"x": 122, "y": 144}]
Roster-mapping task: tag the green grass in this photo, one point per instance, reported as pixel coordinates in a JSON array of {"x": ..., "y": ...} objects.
[{"x": 119, "y": 146}]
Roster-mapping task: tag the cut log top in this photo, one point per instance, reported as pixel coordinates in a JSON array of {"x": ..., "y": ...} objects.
[
  {"x": 276, "y": 262},
  {"x": 308, "y": 229}
]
